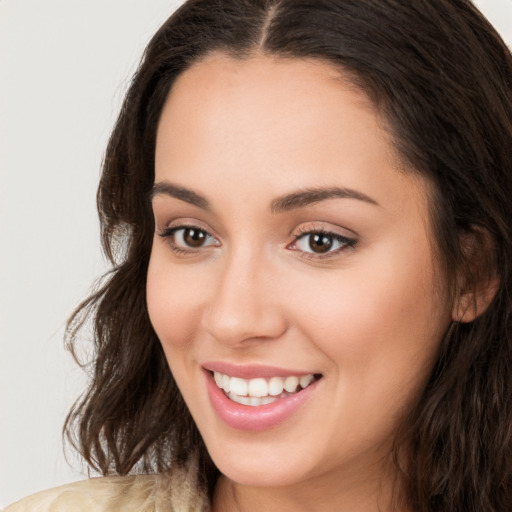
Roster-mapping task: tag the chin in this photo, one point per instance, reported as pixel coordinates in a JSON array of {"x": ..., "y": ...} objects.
[
  {"x": 259, "y": 473},
  {"x": 256, "y": 464}
]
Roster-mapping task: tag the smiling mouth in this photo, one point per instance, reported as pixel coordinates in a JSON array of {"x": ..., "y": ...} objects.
[{"x": 261, "y": 391}]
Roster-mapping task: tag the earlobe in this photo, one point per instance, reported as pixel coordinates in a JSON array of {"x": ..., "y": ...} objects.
[{"x": 479, "y": 284}]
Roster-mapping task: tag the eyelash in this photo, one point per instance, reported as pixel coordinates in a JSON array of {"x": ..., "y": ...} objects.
[
  {"x": 345, "y": 242},
  {"x": 169, "y": 233}
]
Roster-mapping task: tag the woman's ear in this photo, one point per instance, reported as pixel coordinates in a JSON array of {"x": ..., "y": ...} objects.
[{"x": 478, "y": 280}]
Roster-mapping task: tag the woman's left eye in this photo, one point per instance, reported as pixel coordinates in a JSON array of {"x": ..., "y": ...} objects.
[{"x": 321, "y": 243}]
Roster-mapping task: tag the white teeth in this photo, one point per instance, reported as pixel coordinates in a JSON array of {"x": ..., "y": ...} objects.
[
  {"x": 275, "y": 386},
  {"x": 239, "y": 386},
  {"x": 306, "y": 380},
  {"x": 291, "y": 383},
  {"x": 258, "y": 388},
  {"x": 252, "y": 401},
  {"x": 239, "y": 399},
  {"x": 226, "y": 381},
  {"x": 260, "y": 391},
  {"x": 265, "y": 400}
]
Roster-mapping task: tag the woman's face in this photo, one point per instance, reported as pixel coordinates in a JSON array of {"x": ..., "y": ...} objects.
[{"x": 291, "y": 249}]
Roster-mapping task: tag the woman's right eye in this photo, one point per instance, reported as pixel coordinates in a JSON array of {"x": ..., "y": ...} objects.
[{"x": 188, "y": 238}]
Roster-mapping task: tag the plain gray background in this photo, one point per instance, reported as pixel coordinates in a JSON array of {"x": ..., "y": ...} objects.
[{"x": 64, "y": 67}]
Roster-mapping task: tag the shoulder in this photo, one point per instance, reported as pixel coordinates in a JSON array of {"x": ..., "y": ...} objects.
[{"x": 167, "y": 492}]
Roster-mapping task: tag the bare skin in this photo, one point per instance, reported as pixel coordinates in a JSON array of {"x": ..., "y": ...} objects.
[{"x": 362, "y": 308}]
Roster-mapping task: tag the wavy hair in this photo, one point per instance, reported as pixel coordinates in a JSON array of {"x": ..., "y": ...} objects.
[{"x": 441, "y": 77}]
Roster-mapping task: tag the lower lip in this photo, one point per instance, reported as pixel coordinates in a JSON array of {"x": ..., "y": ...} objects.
[{"x": 262, "y": 417}]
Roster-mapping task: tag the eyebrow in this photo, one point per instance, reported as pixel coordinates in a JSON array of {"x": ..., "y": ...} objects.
[
  {"x": 293, "y": 201},
  {"x": 182, "y": 193},
  {"x": 311, "y": 196}
]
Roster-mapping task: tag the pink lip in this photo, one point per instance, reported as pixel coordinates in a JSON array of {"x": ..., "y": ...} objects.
[
  {"x": 252, "y": 371},
  {"x": 248, "y": 418}
]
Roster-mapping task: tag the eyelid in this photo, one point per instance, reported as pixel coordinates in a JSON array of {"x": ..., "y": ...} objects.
[
  {"x": 348, "y": 242},
  {"x": 324, "y": 227},
  {"x": 168, "y": 232},
  {"x": 169, "y": 222},
  {"x": 163, "y": 223}
]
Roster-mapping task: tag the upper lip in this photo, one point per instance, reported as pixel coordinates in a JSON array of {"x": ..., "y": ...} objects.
[{"x": 252, "y": 371}]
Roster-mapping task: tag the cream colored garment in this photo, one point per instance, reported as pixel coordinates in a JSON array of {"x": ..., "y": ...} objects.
[{"x": 168, "y": 492}]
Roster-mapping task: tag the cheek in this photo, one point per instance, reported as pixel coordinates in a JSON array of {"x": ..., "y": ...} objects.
[
  {"x": 379, "y": 322},
  {"x": 173, "y": 301}
]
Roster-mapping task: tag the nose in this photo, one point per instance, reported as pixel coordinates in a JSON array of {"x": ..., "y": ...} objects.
[{"x": 244, "y": 304}]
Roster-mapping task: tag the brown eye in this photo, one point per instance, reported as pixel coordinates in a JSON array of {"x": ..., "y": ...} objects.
[
  {"x": 194, "y": 237},
  {"x": 320, "y": 242},
  {"x": 188, "y": 238}
]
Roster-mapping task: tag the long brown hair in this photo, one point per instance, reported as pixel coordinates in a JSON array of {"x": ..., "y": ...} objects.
[{"x": 442, "y": 78}]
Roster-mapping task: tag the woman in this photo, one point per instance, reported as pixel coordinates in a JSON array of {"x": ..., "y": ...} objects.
[{"x": 307, "y": 205}]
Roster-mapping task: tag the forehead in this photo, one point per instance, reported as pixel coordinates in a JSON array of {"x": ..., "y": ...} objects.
[
  {"x": 264, "y": 123},
  {"x": 264, "y": 87}
]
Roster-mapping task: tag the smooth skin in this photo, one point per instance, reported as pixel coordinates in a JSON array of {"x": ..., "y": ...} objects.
[{"x": 237, "y": 275}]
